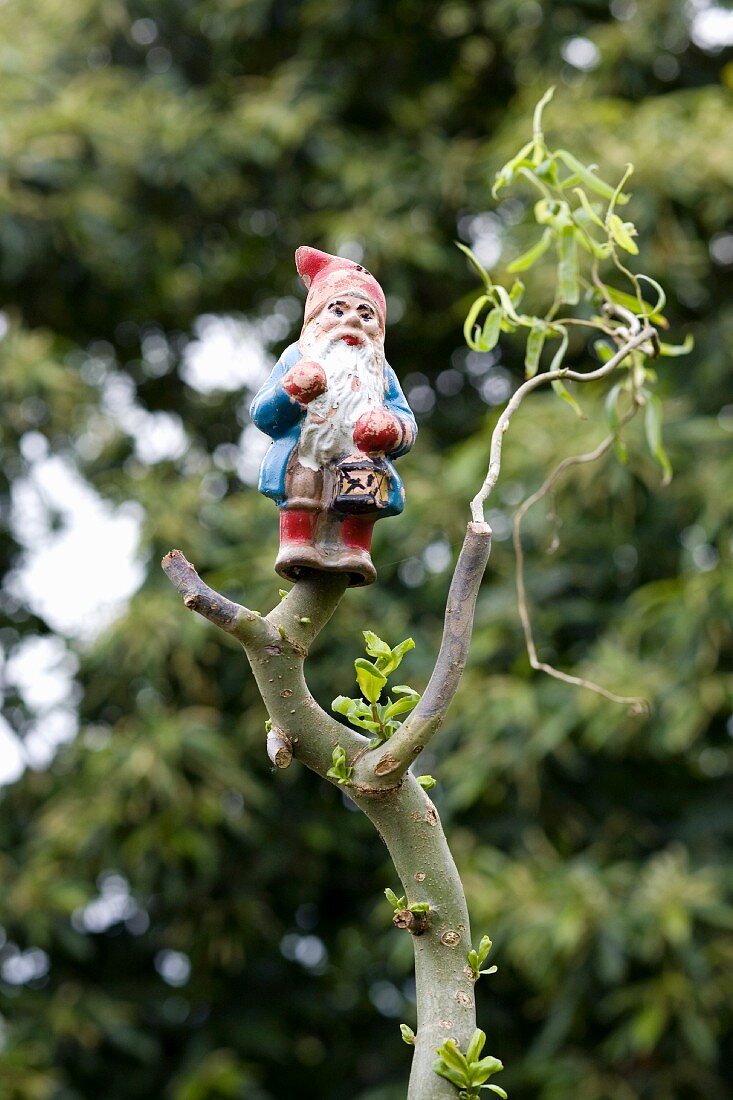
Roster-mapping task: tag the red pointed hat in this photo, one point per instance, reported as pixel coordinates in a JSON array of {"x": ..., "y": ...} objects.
[{"x": 326, "y": 276}]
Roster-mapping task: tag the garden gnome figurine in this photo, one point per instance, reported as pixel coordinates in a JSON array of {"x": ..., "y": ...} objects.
[{"x": 337, "y": 417}]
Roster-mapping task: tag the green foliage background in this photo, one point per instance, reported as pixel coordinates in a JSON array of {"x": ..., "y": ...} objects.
[{"x": 144, "y": 184}]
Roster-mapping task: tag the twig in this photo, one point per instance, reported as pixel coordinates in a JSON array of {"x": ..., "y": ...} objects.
[
  {"x": 502, "y": 424},
  {"x": 636, "y": 704}
]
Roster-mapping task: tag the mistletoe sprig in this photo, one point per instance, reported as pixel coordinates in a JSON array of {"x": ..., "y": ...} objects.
[
  {"x": 380, "y": 719},
  {"x": 577, "y": 215}
]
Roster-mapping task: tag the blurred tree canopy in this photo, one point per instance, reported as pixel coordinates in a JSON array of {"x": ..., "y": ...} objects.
[{"x": 178, "y": 921}]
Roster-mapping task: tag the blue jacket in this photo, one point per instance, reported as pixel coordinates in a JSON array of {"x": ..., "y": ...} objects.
[{"x": 279, "y": 415}]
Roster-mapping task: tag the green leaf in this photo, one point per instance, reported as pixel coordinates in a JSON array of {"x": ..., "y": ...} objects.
[
  {"x": 623, "y": 233},
  {"x": 591, "y": 245},
  {"x": 630, "y": 301},
  {"x": 555, "y": 213},
  {"x": 369, "y": 678},
  {"x": 491, "y": 970},
  {"x": 489, "y": 337},
  {"x": 481, "y": 1071},
  {"x": 456, "y": 1077},
  {"x": 475, "y": 1046},
  {"x": 473, "y": 962},
  {"x": 404, "y": 705},
  {"x": 619, "y": 449},
  {"x": 358, "y": 713},
  {"x": 535, "y": 343},
  {"x": 419, "y": 907},
  {"x": 588, "y": 208},
  {"x": 506, "y": 174},
  {"x": 653, "y": 429},
  {"x": 560, "y": 390},
  {"x": 453, "y": 1060},
  {"x": 283, "y": 593},
  {"x": 591, "y": 181},
  {"x": 538, "y": 142},
  {"x": 497, "y": 1089},
  {"x": 339, "y": 769},
  {"x": 394, "y": 901},
  {"x": 471, "y": 331},
  {"x": 567, "y": 268},
  {"x": 661, "y": 296},
  {"x": 476, "y": 264},
  {"x": 547, "y": 170},
  {"x": 678, "y": 349},
  {"x": 408, "y": 1035},
  {"x": 603, "y": 351},
  {"x": 517, "y": 292},
  {"x": 427, "y": 782},
  {"x": 395, "y": 659},
  {"x": 559, "y": 355},
  {"x": 532, "y": 255},
  {"x": 484, "y": 947},
  {"x": 343, "y": 705},
  {"x": 375, "y": 647},
  {"x": 611, "y": 406},
  {"x": 367, "y": 724},
  {"x": 507, "y": 304}
]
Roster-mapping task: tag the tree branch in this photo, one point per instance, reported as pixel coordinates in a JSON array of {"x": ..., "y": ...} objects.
[
  {"x": 276, "y": 647},
  {"x": 409, "y": 825},
  {"x": 502, "y": 424},
  {"x": 636, "y": 704},
  {"x": 404, "y": 816},
  {"x": 308, "y": 606},
  {"x": 388, "y": 763},
  {"x": 239, "y": 621}
]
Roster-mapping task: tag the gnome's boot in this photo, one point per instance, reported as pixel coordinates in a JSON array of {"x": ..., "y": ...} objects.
[
  {"x": 355, "y": 557},
  {"x": 297, "y": 552}
]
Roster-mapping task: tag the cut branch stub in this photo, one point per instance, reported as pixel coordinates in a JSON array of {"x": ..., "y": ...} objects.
[
  {"x": 279, "y": 748},
  {"x": 414, "y": 923}
]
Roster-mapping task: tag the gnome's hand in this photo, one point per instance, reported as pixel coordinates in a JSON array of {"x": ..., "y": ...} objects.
[
  {"x": 378, "y": 431},
  {"x": 305, "y": 381}
]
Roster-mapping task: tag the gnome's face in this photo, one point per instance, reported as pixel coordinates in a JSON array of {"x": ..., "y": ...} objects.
[{"x": 351, "y": 319}]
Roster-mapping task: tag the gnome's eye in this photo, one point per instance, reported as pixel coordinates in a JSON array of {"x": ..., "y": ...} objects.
[
  {"x": 365, "y": 313},
  {"x": 336, "y": 308}
]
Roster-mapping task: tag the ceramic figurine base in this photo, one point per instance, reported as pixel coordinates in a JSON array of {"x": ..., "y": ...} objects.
[{"x": 325, "y": 542}]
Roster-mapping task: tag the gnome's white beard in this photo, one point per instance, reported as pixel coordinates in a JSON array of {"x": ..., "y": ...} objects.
[{"x": 355, "y": 378}]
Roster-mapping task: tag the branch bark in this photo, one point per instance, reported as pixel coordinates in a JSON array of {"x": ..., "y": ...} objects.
[
  {"x": 243, "y": 624},
  {"x": 386, "y": 765}
]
